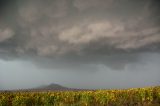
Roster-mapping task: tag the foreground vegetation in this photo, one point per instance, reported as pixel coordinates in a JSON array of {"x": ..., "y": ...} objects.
[{"x": 129, "y": 97}]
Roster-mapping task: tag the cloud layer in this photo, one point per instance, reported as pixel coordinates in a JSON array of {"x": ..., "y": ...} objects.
[{"x": 73, "y": 30}]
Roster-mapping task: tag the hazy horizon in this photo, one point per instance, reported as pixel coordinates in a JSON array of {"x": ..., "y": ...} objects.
[{"x": 89, "y": 44}]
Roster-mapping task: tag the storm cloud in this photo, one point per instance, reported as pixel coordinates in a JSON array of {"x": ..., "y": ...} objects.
[
  {"x": 79, "y": 43},
  {"x": 80, "y": 35}
]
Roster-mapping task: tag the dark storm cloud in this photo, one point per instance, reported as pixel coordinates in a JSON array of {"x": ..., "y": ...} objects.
[
  {"x": 4, "y": 3},
  {"x": 74, "y": 33}
]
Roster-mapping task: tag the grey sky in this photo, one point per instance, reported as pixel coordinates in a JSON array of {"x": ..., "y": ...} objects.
[
  {"x": 23, "y": 74},
  {"x": 79, "y": 43}
]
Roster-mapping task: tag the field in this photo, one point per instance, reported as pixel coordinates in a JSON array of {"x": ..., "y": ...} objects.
[{"x": 149, "y": 96}]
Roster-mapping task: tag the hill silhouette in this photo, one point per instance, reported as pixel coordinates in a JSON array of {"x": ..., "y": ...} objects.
[{"x": 52, "y": 87}]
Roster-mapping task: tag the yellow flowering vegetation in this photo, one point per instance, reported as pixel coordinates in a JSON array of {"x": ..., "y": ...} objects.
[{"x": 128, "y": 97}]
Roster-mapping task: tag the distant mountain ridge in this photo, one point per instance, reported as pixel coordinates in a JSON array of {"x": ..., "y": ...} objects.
[{"x": 52, "y": 87}]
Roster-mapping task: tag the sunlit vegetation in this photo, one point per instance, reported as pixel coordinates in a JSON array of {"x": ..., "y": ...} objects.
[{"x": 130, "y": 97}]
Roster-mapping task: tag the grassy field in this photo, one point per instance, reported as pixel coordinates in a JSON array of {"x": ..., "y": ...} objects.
[{"x": 130, "y": 97}]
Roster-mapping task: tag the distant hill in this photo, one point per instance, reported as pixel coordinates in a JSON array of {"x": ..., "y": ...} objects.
[{"x": 52, "y": 87}]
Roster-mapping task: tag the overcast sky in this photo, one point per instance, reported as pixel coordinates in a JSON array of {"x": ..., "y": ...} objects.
[{"x": 79, "y": 43}]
